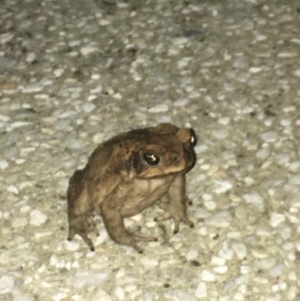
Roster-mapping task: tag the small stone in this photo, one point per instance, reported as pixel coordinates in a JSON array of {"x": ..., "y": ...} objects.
[
  {"x": 297, "y": 72},
  {"x": 58, "y": 72},
  {"x": 6, "y": 284},
  {"x": 30, "y": 57},
  {"x": 269, "y": 136},
  {"x": 37, "y": 218},
  {"x": 59, "y": 296},
  {"x": 184, "y": 62},
  {"x": 224, "y": 120},
  {"x": 89, "y": 49},
  {"x": 221, "y": 219},
  {"x": 6, "y": 37},
  {"x": 208, "y": 276},
  {"x": 98, "y": 138},
  {"x": 73, "y": 144},
  {"x": 201, "y": 290},
  {"x": 19, "y": 222},
  {"x": 159, "y": 108},
  {"x": 96, "y": 76},
  {"x": 13, "y": 188},
  {"x": 87, "y": 278},
  {"x": 220, "y": 134},
  {"x": 119, "y": 292},
  {"x": 181, "y": 102},
  {"x": 33, "y": 88},
  {"x": 240, "y": 250},
  {"x": 254, "y": 199},
  {"x": 22, "y": 298},
  {"x": 277, "y": 270},
  {"x": 276, "y": 219},
  {"x": 221, "y": 269},
  {"x": 191, "y": 254},
  {"x": 222, "y": 186},
  {"x": 88, "y": 107},
  {"x": 254, "y": 69},
  {"x": 72, "y": 245}
]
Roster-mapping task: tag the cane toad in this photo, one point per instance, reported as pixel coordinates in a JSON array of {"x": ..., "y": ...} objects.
[{"x": 127, "y": 174}]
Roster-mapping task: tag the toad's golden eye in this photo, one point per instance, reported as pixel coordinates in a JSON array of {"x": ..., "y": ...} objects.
[{"x": 151, "y": 159}]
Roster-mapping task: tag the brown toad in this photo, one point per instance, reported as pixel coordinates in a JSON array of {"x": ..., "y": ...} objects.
[{"x": 127, "y": 174}]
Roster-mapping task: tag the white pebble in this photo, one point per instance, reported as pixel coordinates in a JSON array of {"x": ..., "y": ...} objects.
[
  {"x": 245, "y": 269},
  {"x": 297, "y": 72},
  {"x": 13, "y": 188},
  {"x": 216, "y": 260},
  {"x": 6, "y": 284},
  {"x": 254, "y": 199},
  {"x": 240, "y": 250},
  {"x": 59, "y": 296},
  {"x": 276, "y": 219},
  {"x": 88, "y": 107},
  {"x": 184, "y": 62},
  {"x": 37, "y": 218},
  {"x": 208, "y": 276},
  {"x": 101, "y": 237},
  {"x": 149, "y": 262},
  {"x": 222, "y": 186},
  {"x": 119, "y": 292},
  {"x": 180, "y": 41},
  {"x": 95, "y": 76},
  {"x": 220, "y": 134},
  {"x": 201, "y": 290},
  {"x": 88, "y": 49},
  {"x": 191, "y": 254},
  {"x": 254, "y": 69},
  {"x": 159, "y": 108},
  {"x": 221, "y": 219},
  {"x": 39, "y": 235},
  {"x": 263, "y": 153},
  {"x": 282, "y": 159},
  {"x": 58, "y": 72},
  {"x": 33, "y": 88},
  {"x": 269, "y": 136},
  {"x": 102, "y": 296},
  {"x": 221, "y": 269},
  {"x": 19, "y": 222},
  {"x": 181, "y": 102},
  {"x": 98, "y": 138},
  {"x": 22, "y": 298},
  {"x": 72, "y": 245},
  {"x": 6, "y": 37},
  {"x": 277, "y": 270},
  {"x": 87, "y": 278},
  {"x": 224, "y": 120}
]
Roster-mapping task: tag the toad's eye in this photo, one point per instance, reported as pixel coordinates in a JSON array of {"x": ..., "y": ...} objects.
[
  {"x": 151, "y": 159},
  {"x": 193, "y": 140}
]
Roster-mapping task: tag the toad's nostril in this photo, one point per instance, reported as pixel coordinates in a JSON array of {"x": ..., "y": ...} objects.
[{"x": 174, "y": 158}]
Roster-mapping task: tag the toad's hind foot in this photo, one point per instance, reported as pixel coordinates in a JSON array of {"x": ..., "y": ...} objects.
[
  {"x": 141, "y": 237},
  {"x": 80, "y": 225}
]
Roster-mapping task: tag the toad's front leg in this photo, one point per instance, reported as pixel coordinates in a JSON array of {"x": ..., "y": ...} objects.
[
  {"x": 114, "y": 224},
  {"x": 176, "y": 206}
]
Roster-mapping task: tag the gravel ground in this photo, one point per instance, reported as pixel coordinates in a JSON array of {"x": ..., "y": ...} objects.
[{"x": 73, "y": 73}]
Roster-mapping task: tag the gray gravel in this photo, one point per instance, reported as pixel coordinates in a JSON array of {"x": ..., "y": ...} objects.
[{"x": 73, "y": 73}]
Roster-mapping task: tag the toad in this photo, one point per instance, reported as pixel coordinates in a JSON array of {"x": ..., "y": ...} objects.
[{"x": 129, "y": 173}]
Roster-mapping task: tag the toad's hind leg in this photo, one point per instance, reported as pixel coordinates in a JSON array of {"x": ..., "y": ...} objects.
[
  {"x": 79, "y": 225},
  {"x": 78, "y": 208}
]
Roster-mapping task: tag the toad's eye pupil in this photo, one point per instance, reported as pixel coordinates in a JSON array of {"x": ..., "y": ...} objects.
[{"x": 151, "y": 159}]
